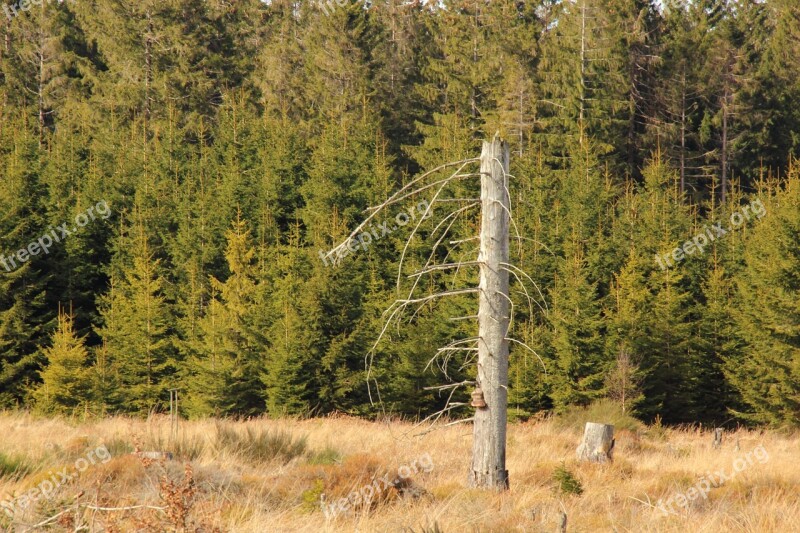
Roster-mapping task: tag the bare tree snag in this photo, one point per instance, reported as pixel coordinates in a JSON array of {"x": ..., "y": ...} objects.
[
  {"x": 495, "y": 308},
  {"x": 598, "y": 443},
  {"x": 494, "y": 313}
]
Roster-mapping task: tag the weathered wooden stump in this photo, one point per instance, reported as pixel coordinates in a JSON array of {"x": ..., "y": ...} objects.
[
  {"x": 717, "y": 438},
  {"x": 562, "y": 523},
  {"x": 598, "y": 443}
]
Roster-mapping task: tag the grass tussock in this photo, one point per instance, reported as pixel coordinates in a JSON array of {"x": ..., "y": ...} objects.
[
  {"x": 259, "y": 445},
  {"x": 13, "y": 466},
  {"x": 326, "y": 456}
]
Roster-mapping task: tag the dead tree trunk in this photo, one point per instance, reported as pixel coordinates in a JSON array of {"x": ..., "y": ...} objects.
[
  {"x": 597, "y": 444},
  {"x": 489, "y": 433}
]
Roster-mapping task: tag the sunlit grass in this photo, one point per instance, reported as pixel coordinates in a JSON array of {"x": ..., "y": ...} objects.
[{"x": 274, "y": 475}]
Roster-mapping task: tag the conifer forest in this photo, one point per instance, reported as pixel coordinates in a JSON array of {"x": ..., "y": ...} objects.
[{"x": 175, "y": 173}]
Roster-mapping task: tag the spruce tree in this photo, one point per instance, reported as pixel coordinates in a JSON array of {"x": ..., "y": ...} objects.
[
  {"x": 24, "y": 318},
  {"x": 767, "y": 373},
  {"x": 66, "y": 380},
  {"x": 578, "y": 365},
  {"x": 296, "y": 344},
  {"x": 229, "y": 351},
  {"x": 138, "y": 327}
]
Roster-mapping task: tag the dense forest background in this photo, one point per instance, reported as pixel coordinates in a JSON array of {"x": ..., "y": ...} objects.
[{"x": 234, "y": 141}]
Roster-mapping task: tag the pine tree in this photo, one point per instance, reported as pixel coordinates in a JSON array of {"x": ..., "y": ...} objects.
[
  {"x": 650, "y": 317},
  {"x": 229, "y": 351},
  {"x": 682, "y": 103},
  {"x": 44, "y": 51},
  {"x": 576, "y": 375},
  {"x": 66, "y": 380},
  {"x": 769, "y": 128},
  {"x": 296, "y": 344},
  {"x": 582, "y": 82},
  {"x": 24, "y": 318},
  {"x": 767, "y": 373},
  {"x": 721, "y": 343},
  {"x": 137, "y": 328}
]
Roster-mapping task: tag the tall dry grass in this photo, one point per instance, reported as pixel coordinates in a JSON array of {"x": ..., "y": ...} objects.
[{"x": 270, "y": 475}]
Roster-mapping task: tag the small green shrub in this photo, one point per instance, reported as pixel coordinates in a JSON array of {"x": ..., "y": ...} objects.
[
  {"x": 516, "y": 414},
  {"x": 260, "y": 446},
  {"x": 656, "y": 431},
  {"x": 566, "y": 482},
  {"x": 313, "y": 496}
]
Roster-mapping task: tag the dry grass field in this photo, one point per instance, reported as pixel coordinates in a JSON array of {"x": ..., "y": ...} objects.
[{"x": 272, "y": 475}]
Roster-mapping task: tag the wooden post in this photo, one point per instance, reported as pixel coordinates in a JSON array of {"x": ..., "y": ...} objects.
[
  {"x": 173, "y": 414},
  {"x": 717, "y": 438},
  {"x": 489, "y": 432},
  {"x": 562, "y": 523},
  {"x": 598, "y": 443}
]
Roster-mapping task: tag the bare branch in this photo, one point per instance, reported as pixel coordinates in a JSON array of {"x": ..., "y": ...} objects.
[
  {"x": 476, "y": 238},
  {"x": 454, "y": 216},
  {"x": 397, "y": 197},
  {"x": 414, "y": 231},
  {"x": 531, "y": 350},
  {"x": 438, "y": 414},
  {"x": 430, "y": 297},
  {"x": 445, "y": 266},
  {"x": 442, "y": 182},
  {"x": 450, "y": 385},
  {"x": 457, "y": 318},
  {"x": 391, "y": 199},
  {"x": 544, "y": 300}
]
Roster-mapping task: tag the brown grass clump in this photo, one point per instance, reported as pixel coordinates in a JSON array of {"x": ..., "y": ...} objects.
[{"x": 125, "y": 473}]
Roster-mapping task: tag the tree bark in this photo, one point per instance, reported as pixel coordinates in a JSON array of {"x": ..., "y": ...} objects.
[{"x": 489, "y": 433}]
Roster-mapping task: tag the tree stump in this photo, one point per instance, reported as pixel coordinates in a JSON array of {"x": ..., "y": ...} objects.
[
  {"x": 717, "y": 438},
  {"x": 598, "y": 443},
  {"x": 562, "y": 523}
]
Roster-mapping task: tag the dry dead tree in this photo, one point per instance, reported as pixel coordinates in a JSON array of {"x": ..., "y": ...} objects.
[{"x": 489, "y": 350}]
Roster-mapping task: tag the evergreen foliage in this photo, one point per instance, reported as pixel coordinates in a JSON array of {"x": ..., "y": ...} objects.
[
  {"x": 234, "y": 141},
  {"x": 66, "y": 380}
]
